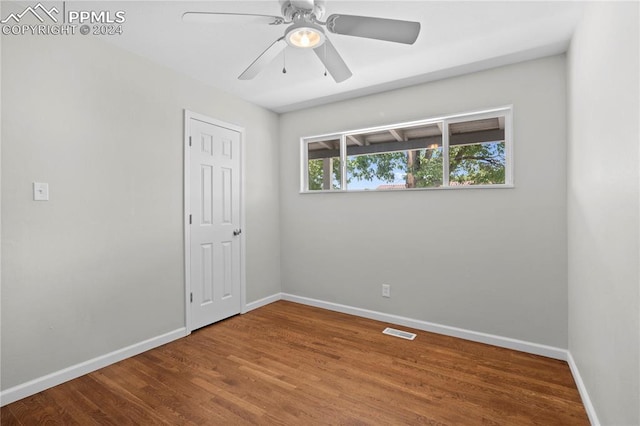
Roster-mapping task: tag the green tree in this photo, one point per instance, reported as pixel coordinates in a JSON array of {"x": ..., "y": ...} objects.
[
  {"x": 379, "y": 166},
  {"x": 422, "y": 168},
  {"x": 316, "y": 173},
  {"x": 474, "y": 164},
  {"x": 478, "y": 164}
]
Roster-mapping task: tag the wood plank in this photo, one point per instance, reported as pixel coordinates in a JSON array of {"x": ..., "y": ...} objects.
[
  {"x": 357, "y": 139},
  {"x": 397, "y": 134},
  {"x": 292, "y": 364},
  {"x": 7, "y": 418},
  {"x": 327, "y": 173}
]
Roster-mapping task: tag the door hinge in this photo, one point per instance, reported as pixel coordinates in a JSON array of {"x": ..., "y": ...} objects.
[
  {"x": 189, "y": 140},
  {"x": 189, "y": 219},
  {"x": 191, "y": 298}
]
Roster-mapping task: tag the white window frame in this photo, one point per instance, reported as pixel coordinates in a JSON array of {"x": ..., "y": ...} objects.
[
  {"x": 506, "y": 111},
  {"x": 304, "y": 158}
]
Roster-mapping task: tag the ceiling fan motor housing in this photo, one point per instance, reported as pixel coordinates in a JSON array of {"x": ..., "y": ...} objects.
[{"x": 289, "y": 11}]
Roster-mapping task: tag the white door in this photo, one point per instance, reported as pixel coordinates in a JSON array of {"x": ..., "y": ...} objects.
[{"x": 215, "y": 241}]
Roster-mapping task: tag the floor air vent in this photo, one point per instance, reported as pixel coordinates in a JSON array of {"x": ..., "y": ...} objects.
[{"x": 399, "y": 333}]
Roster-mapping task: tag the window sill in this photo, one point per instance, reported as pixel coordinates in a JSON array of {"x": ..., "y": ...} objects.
[{"x": 438, "y": 188}]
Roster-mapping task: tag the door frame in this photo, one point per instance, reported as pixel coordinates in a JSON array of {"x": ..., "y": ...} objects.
[{"x": 188, "y": 116}]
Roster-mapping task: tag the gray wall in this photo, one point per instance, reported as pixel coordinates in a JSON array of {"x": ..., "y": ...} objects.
[
  {"x": 100, "y": 266},
  {"x": 603, "y": 218},
  {"x": 489, "y": 260}
]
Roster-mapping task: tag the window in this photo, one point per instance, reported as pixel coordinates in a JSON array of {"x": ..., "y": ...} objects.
[
  {"x": 323, "y": 165},
  {"x": 467, "y": 150}
]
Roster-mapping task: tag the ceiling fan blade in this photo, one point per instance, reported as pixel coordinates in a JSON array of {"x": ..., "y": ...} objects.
[
  {"x": 333, "y": 61},
  {"x": 303, "y": 4},
  {"x": 377, "y": 28},
  {"x": 226, "y": 18},
  {"x": 264, "y": 59}
]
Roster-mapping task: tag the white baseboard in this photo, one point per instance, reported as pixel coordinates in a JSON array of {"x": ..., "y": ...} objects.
[
  {"x": 475, "y": 336},
  {"x": 50, "y": 380},
  {"x": 586, "y": 401},
  {"x": 262, "y": 302}
]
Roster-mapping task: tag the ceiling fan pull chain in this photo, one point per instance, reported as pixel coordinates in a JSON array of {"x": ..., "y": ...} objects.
[
  {"x": 324, "y": 51},
  {"x": 284, "y": 62}
]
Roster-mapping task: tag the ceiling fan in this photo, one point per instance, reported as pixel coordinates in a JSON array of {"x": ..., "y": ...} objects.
[{"x": 306, "y": 32}]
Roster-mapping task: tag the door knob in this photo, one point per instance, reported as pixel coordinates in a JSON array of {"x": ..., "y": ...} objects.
[{"x": 237, "y": 232}]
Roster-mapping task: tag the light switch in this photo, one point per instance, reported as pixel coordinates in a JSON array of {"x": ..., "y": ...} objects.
[{"x": 40, "y": 191}]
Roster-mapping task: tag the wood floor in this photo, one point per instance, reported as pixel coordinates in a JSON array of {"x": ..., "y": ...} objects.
[{"x": 292, "y": 364}]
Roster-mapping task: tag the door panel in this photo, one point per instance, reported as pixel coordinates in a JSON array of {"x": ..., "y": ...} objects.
[
  {"x": 206, "y": 190},
  {"x": 215, "y": 208}
]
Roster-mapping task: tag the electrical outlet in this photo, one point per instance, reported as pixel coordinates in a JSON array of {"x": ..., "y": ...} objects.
[{"x": 386, "y": 290}]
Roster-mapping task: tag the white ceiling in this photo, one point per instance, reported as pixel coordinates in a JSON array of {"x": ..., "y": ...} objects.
[{"x": 456, "y": 37}]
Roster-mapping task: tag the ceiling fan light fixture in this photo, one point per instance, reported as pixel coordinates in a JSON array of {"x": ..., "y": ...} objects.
[{"x": 304, "y": 35}]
